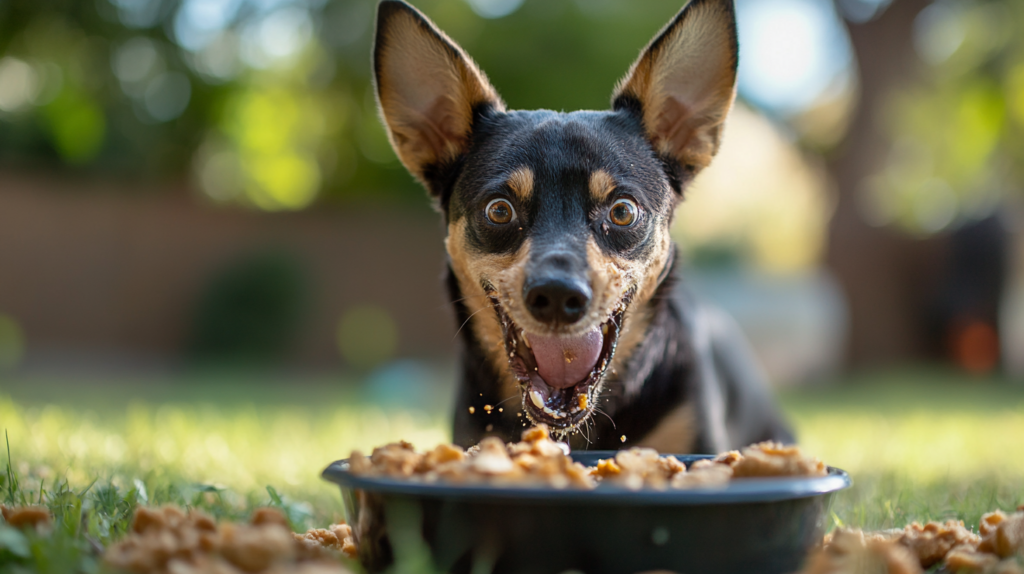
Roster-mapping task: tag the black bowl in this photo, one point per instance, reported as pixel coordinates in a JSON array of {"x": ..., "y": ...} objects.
[{"x": 763, "y": 525}]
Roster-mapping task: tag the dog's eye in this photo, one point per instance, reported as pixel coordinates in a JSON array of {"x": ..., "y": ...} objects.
[
  {"x": 623, "y": 212},
  {"x": 500, "y": 211}
]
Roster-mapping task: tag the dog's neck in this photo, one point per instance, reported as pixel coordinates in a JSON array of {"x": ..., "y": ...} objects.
[{"x": 653, "y": 382}]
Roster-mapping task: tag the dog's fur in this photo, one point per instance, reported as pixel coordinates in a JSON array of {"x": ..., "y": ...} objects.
[{"x": 678, "y": 376}]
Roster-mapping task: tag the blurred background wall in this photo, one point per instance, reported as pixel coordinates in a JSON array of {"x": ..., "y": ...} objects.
[{"x": 197, "y": 182}]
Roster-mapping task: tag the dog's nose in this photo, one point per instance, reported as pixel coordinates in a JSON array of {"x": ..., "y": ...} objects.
[{"x": 558, "y": 301}]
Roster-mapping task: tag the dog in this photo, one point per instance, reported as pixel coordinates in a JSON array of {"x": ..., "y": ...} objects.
[{"x": 561, "y": 269}]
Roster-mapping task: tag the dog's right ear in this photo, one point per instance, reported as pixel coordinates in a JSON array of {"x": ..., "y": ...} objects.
[{"x": 428, "y": 90}]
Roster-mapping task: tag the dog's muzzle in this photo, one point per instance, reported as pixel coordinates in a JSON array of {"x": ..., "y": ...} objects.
[{"x": 559, "y": 376}]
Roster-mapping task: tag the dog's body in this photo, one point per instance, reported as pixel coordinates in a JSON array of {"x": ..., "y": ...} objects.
[{"x": 561, "y": 269}]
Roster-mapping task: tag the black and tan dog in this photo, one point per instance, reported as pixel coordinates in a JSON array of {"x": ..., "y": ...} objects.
[{"x": 561, "y": 268}]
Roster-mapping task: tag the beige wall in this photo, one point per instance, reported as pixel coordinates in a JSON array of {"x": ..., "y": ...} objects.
[{"x": 88, "y": 266}]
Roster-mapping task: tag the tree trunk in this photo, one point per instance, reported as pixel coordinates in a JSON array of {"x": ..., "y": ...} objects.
[{"x": 884, "y": 273}]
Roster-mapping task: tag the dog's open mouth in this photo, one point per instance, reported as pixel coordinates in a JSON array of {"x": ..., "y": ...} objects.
[{"x": 558, "y": 375}]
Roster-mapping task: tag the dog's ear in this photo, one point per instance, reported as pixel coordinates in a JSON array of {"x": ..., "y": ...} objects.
[
  {"x": 684, "y": 84},
  {"x": 428, "y": 90}
]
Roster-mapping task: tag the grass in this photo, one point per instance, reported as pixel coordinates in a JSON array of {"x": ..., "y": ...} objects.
[{"x": 920, "y": 446}]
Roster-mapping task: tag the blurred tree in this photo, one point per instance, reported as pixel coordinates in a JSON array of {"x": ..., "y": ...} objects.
[
  {"x": 269, "y": 103},
  {"x": 927, "y": 160}
]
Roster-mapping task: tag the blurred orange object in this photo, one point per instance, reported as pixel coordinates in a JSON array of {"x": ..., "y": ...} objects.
[{"x": 974, "y": 346}]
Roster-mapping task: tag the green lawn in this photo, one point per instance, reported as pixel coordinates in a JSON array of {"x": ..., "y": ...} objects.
[{"x": 919, "y": 445}]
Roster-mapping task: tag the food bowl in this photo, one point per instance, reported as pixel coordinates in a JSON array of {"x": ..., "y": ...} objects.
[{"x": 758, "y": 525}]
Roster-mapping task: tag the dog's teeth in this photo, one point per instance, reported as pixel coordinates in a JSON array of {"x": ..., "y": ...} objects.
[
  {"x": 604, "y": 329},
  {"x": 537, "y": 400},
  {"x": 525, "y": 340}
]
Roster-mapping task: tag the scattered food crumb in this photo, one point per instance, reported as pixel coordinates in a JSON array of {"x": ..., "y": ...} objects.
[
  {"x": 472, "y": 410},
  {"x": 169, "y": 540},
  {"x": 35, "y": 517},
  {"x": 852, "y": 552},
  {"x": 998, "y": 548}
]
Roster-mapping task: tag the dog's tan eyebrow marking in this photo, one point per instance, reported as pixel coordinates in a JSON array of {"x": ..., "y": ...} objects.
[
  {"x": 521, "y": 183},
  {"x": 601, "y": 184}
]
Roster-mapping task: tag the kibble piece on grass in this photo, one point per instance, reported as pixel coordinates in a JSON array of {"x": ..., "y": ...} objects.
[
  {"x": 338, "y": 537},
  {"x": 1006, "y": 538},
  {"x": 148, "y": 519},
  {"x": 168, "y": 540},
  {"x": 850, "y": 552},
  {"x": 931, "y": 542},
  {"x": 990, "y": 521},
  {"x": 26, "y": 516},
  {"x": 266, "y": 515},
  {"x": 967, "y": 560}
]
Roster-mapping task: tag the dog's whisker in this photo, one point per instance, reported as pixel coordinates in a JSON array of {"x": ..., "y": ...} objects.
[
  {"x": 601, "y": 412},
  {"x": 506, "y": 400},
  {"x": 468, "y": 297},
  {"x": 464, "y": 323}
]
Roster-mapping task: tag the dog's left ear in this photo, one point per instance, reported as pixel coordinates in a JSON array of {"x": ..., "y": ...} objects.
[{"x": 684, "y": 84}]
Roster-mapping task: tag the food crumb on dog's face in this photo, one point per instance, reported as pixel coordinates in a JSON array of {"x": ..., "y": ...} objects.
[{"x": 540, "y": 461}]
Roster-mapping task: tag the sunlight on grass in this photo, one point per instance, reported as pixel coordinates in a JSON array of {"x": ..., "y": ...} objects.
[
  {"x": 242, "y": 448},
  {"x": 927, "y": 427},
  {"x": 921, "y": 444}
]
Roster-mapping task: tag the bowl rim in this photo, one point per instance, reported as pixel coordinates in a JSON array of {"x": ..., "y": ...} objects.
[{"x": 737, "y": 491}]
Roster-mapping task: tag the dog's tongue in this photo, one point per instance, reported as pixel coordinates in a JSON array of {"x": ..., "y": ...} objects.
[{"x": 564, "y": 361}]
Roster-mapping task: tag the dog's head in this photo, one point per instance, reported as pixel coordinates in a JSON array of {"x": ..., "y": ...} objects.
[{"x": 558, "y": 223}]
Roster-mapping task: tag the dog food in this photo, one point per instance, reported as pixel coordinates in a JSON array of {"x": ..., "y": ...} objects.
[
  {"x": 170, "y": 540},
  {"x": 997, "y": 548},
  {"x": 538, "y": 460},
  {"x": 930, "y": 543},
  {"x": 848, "y": 551},
  {"x": 35, "y": 517}
]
